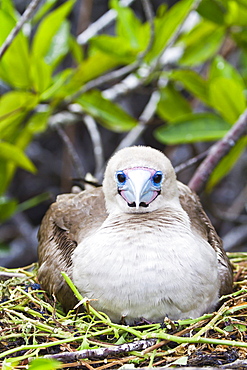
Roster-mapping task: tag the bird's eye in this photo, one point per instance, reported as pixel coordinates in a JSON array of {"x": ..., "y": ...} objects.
[
  {"x": 121, "y": 177},
  {"x": 157, "y": 178}
]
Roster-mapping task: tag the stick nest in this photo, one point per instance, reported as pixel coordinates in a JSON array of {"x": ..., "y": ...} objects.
[{"x": 33, "y": 326}]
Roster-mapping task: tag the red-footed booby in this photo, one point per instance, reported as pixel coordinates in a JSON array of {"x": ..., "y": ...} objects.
[{"x": 140, "y": 247}]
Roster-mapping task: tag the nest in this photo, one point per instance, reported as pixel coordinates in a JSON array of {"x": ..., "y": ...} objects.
[{"x": 33, "y": 328}]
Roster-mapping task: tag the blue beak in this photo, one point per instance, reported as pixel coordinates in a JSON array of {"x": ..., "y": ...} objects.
[{"x": 139, "y": 186}]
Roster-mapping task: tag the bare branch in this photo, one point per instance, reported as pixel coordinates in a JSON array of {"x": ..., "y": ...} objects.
[
  {"x": 144, "y": 119},
  {"x": 23, "y": 19},
  {"x": 217, "y": 152},
  {"x": 97, "y": 82},
  {"x": 9, "y": 275},
  {"x": 72, "y": 152},
  {"x": 101, "y": 353},
  {"x": 96, "y": 141},
  {"x": 190, "y": 162},
  {"x": 102, "y": 22},
  {"x": 150, "y": 18}
]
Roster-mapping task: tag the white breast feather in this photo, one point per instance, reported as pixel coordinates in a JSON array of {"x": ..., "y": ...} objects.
[{"x": 147, "y": 270}]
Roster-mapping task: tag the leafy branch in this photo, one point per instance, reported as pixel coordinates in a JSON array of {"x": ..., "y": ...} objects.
[
  {"x": 217, "y": 152},
  {"x": 27, "y": 15},
  {"x": 116, "y": 74}
]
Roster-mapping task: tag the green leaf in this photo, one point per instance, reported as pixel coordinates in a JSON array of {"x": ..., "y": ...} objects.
[
  {"x": 89, "y": 69},
  {"x": 127, "y": 25},
  {"x": 214, "y": 11},
  {"x": 201, "y": 43},
  {"x": 172, "y": 104},
  {"x": 4, "y": 178},
  {"x": 227, "y": 97},
  {"x": 240, "y": 327},
  {"x": 236, "y": 15},
  {"x": 44, "y": 363},
  {"x": 226, "y": 164},
  {"x": 116, "y": 47},
  {"x": 239, "y": 35},
  {"x": 14, "y": 65},
  {"x": 48, "y": 29},
  {"x": 84, "y": 344},
  {"x": 76, "y": 49},
  {"x": 229, "y": 328},
  {"x": 221, "y": 68},
  {"x": 8, "y": 22},
  {"x": 193, "y": 128},
  {"x": 192, "y": 82},
  {"x": 12, "y": 153},
  {"x": 13, "y": 107},
  {"x": 59, "y": 45},
  {"x": 43, "y": 9},
  {"x": 39, "y": 121},
  {"x": 167, "y": 24},
  {"x": 182, "y": 361},
  {"x": 109, "y": 114},
  {"x": 7, "y": 363},
  {"x": 7, "y": 207},
  {"x": 41, "y": 74},
  {"x": 36, "y": 124},
  {"x": 7, "y": 6},
  {"x": 58, "y": 82},
  {"x": 32, "y": 202},
  {"x": 242, "y": 2}
]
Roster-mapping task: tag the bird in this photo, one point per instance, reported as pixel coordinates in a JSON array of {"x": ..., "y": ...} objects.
[{"x": 140, "y": 247}]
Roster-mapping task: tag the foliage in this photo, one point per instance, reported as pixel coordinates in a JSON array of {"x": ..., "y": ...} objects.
[
  {"x": 37, "y": 89},
  {"x": 34, "y": 326}
]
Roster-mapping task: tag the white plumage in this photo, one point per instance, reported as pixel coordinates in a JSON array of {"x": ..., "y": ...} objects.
[{"x": 150, "y": 252}]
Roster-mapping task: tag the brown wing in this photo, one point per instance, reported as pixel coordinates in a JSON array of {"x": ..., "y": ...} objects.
[
  {"x": 67, "y": 222},
  {"x": 202, "y": 225}
]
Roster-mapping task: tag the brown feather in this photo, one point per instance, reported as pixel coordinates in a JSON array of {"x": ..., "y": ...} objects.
[
  {"x": 71, "y": 218},
  {"x": 203, "y": 226}
]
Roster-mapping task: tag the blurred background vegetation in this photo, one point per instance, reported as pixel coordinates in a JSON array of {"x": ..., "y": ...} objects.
[{"x": 84, "y": 78}]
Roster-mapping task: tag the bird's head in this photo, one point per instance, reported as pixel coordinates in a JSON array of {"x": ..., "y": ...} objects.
[{"x": 139, "y": 179}]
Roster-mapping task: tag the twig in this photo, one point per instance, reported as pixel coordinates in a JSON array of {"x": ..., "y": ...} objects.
[
  {"x": 144, "y": 119},
  {"x": 96, "y": 141},
  {"x": 14, "y": 32},
  {"x": 188, "y": 329},
  {"x": 102, "y": 353},
  {"x": 217, "y": 152},
  {"x": 128, "y": 84},
  {"x": 82, "y": 300},
  {"x": 40, "y": 346},
  {"x": 150, "y": 18},
  {"x": 238, "y": 364},
  {"x": 210, "y": 325},
  {"x": 186, "y": 340},
  {"x": 102, "y": 22},
  {"x": 71, "y": 150},
  {"x": 97, "y": 82},
  {"x": 9, "y": 275},
  {"x": 190, "y": 162}
]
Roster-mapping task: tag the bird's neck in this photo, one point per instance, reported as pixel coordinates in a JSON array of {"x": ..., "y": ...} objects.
[{"x": 166, "y": 216}]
